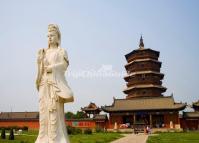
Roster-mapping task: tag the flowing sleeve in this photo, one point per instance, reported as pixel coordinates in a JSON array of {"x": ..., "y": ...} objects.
[
  {"x": 65, "y": 55},
  {"x": 39, "y": 67},
  {"x": 63, "y": 61}
]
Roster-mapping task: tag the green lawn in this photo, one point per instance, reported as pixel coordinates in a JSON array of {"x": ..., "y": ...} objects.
[
  {"x": 189, "y": 137},
  {"x": 95, "y": 138},
  {"x": 30, "y": 137}
]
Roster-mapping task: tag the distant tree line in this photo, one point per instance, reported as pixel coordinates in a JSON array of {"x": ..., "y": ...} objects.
[{"x": 77, "y": 115}]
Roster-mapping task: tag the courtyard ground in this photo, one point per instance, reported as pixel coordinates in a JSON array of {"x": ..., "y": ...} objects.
[{"x": 132, "y": 138}]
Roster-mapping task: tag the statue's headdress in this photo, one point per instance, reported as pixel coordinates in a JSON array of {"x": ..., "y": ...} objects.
[{"x": 54, "y": 27}]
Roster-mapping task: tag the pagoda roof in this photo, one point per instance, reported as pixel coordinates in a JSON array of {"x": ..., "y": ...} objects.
[
  {"x": 144, "y": 86},
  {"x": 191, "y": 114},
  {"x": 139, "y": 50},
  {"x": 91, "y": 107},
  {"x": 142, "y": 60},
  {"x": 143, "y": 72},
  {"x": 144, "y": 104}
]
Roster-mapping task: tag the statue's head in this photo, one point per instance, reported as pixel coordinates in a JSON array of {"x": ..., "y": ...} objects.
[{"x": 54, "y": 35}]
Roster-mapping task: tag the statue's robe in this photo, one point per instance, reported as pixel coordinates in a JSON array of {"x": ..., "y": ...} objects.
[{"x": 53, "y": 93}]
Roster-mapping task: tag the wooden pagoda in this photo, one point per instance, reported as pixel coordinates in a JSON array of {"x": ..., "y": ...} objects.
[{"x": 144, "y": 102}]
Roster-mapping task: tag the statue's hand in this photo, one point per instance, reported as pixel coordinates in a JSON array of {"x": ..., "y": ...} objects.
[{"x": 48, "y": 69}]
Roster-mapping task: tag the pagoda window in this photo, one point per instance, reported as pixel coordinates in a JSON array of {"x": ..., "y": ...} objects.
[
  {"x": 143, "y": 76},
  {"x": 142, "y": 65}
]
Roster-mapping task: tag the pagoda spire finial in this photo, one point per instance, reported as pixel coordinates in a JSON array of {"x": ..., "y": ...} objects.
[{"x": 141, "y": 43}]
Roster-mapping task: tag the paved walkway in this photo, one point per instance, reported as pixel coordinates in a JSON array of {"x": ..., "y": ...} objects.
[{"x": 132, "y": 138}]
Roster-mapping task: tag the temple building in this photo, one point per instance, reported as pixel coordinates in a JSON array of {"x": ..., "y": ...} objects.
[
  {"x": 91, "y": 109},
  {"x": 196, "y": 106},
  {"x": 190, "y": 120},
  {"x": 144, "y": 102},
  {"x": 19, "y": 119},
  {"x": 93, "y": 112}
]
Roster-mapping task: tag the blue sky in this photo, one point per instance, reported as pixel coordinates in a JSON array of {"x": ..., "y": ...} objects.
[{"x": 97, "y": 33}]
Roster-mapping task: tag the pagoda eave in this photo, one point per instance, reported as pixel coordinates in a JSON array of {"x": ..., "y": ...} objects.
[
  {"x": 138, "y": 50},
  {"x": 143, "y": 72},
  {"x": 144, "y": 110},
  {"x": 142, "y": 60},
  {"x": 154, "y": 104},
  {"x": 127, "y": 90}
]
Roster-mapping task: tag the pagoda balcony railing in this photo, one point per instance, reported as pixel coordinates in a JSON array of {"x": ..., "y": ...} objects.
[
  {"x": 132, "y": 83},
  {"x": 144, "y": 78},
  {"x": 132, "y": 70}
]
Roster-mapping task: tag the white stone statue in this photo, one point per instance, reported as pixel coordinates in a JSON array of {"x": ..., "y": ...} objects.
[{"x": 53, "y": 89}]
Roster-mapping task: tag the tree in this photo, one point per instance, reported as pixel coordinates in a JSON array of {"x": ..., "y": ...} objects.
[
  {"x": 80, "y": 115},
  {"x": 69, "y": 115},
  {"x": 3, "y": 134},
  {"x": 11, "y": 136}
]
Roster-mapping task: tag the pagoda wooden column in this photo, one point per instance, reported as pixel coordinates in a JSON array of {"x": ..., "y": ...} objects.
[
  {"x": 178, "y": 119},
  {"x": 150, "y": 118},
  {"x": 134, "y": 118}
]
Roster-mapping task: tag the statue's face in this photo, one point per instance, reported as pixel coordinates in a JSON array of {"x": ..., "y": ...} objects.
[{"x": 52, "y": 37}]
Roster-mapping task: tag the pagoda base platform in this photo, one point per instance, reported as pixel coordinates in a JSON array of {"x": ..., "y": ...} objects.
[{"x": 154, "y": 130}]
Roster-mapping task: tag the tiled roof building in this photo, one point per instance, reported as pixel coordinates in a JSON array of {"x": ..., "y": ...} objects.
[
  {"x": 19, "y": 115},
  {"x": 190, "y": 120}
]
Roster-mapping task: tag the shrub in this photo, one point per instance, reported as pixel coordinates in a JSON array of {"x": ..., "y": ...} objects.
[
  {"x": 3, "y": 134},
  {"x": 25, "y": 128},
  {"x": 78, "y": 130},
  {"x": 70, "y": 130},
  {"x": 99, "y": 130},
  {"x": 11, "y": 136},
  {"x": 73, "y": 131},
  {"x": 15, "y": 127},
  {"x": 88, "y": 131}
]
